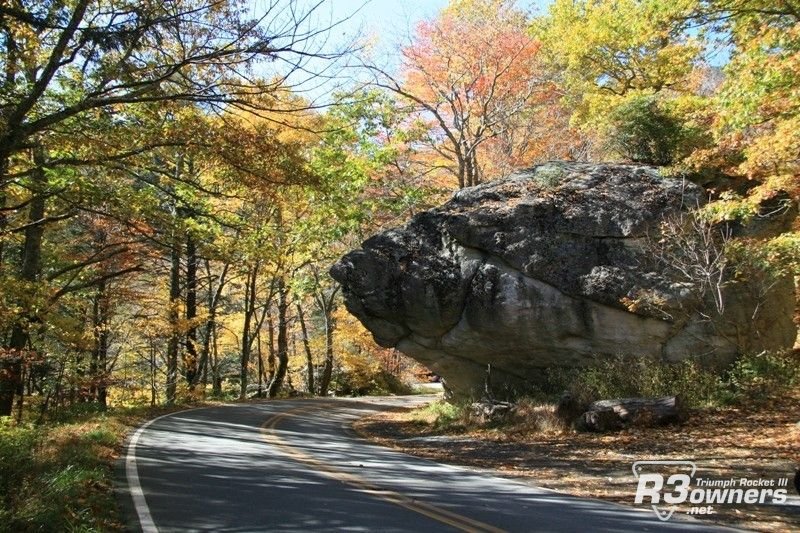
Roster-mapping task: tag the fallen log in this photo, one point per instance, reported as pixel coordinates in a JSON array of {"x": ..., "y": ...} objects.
[{"x": 612, "y": 415}]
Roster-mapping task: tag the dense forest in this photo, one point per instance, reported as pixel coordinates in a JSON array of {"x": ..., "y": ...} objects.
[{"x": 172, "y": 195}]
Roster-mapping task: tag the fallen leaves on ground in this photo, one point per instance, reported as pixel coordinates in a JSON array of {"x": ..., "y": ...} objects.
[{"x": 760, "y": 442}]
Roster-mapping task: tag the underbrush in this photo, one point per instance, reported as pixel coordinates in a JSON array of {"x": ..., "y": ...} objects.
[
  {"x": 752, "y": 381},
  {"x": 368, "y": 383},
  {"x": 442, "y": 414},
  {"x": 57, "y": 476}
]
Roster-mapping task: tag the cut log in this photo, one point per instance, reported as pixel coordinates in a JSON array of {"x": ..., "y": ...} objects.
[{"x": 611, "y": 415}]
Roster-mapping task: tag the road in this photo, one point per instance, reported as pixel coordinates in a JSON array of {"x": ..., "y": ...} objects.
[{"x": 295, "y": 465}]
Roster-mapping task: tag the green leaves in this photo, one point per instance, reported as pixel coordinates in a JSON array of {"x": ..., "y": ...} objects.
[{"x": 642, "y": 131}]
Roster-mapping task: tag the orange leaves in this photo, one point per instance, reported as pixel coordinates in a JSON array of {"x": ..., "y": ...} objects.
[
  {"x": 477, "y": 79},
  {"x": 472, "y": 63}
]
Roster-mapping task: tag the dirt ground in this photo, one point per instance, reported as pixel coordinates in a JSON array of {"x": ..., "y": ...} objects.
[{"x": 724, "y": 443}]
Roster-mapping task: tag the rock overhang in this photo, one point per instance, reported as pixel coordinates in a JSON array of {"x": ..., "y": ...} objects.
[{"x": 530, "y": 272}]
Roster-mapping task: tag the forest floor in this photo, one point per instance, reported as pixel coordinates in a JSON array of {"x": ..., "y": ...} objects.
[{"x": 761, "y": 442}]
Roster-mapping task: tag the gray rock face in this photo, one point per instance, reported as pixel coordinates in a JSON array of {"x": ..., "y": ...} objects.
[{"x": 530, "y": 272}]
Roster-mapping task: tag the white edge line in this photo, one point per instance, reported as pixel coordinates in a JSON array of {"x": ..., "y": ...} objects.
[
  {"x": 134, "y": 486},
  {"x": 132, "y": 472}
]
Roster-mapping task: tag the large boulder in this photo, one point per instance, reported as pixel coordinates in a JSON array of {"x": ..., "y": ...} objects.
[{"x": 540, "y": 270}]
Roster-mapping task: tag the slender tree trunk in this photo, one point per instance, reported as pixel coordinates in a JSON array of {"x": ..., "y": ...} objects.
[
  {"x": 307, "y": 347},
  {"x": 283, "y": 341},
  {"x": 153, "y": 376},
  {"x": 214, "y": 296},
  {"x": 327, "y": 369},
  {"x": 11, "y": 365},
  {"x": 327, "y": 305},
  {"x": 271, "y": 347},
  {"x": 470, "y": 166},
  {"x": 260, "y": 364},
  {"x": 462, "y": 176},
  {"x": 174, "y": 318},
  {"x": 99, "y": 364},
  {"x": 3, "y": 215},
  {"x": 216, "y": 378},
  {"x": 190, "y": 360},
  {"x": 249, "y": 311}
]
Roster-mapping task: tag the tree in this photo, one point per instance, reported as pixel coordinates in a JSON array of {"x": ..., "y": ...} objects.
[
  {"x": 758, "y": 107},
  {"x": 68, "y": 59},
  {"x": 643, "y": 131},
  {"x": 69, "y": 65},
  {"x": 469, "y": 74},
  {"x": 607, "y": 54}
]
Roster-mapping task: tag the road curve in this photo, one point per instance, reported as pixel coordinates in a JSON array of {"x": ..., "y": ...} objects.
[{"x": 295, "y": 465}]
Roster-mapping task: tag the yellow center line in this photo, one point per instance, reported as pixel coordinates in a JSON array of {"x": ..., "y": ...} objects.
[{"x": 460, "y": 522}]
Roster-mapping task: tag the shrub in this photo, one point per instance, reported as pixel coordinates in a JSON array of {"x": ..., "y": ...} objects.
[
  {"x": 57, "y": 477},
  {"x": 360, "y": 382},
  {"x": 756, "y": 378},
  {"x": 443, "y": 414},
  {"x": 532, "y": 416},
  {"x": 549, "y": 175},
  {"x": 644, "y": 132},
  {"x": 751, "y": 379}
]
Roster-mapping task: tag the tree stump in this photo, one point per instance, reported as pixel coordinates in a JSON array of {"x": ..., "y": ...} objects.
[
  {"x": 612, "y": 415},
  {"x": 490, "y": 411}
]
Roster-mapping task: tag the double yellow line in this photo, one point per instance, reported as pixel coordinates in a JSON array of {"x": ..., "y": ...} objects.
[{"x": 462, "y": 523}]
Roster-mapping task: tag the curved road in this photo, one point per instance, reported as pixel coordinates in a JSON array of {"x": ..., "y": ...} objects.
[{"x": 296, "y": 466}]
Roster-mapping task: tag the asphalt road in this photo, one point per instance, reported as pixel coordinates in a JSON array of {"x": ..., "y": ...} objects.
[{"x": 296, "y": 466}]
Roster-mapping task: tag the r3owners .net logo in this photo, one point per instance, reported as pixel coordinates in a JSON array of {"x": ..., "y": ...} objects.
[{"x": 665, "y": 485}]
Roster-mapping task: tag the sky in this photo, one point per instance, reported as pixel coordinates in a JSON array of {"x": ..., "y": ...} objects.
[
  {"x": 395, "y": 18},
  {"x": 384, "y": 24}
]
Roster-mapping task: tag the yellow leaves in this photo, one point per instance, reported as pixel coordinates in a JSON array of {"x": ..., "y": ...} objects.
[
  {"x": 619, "y": 44},
  {"x": 760, "y": 99},
  {"x": 612, "y": 50},
  {"x": 775, "y": 151},
  {"x": 648, "y": 303}
]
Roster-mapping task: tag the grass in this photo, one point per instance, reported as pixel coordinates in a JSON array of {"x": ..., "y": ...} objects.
[
  {"x": 58, "y": 477},
  {"x": 441, "y": 414}
]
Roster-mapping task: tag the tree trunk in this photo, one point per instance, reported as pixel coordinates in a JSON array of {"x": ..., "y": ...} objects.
[
  {"x": 327, "y": 369},
  {"x": 307, "y": 347},
  {"x": 99, "y": 361},
  {"x": 271, "y": 347},
  {"x": 190, "y": 360},
  {"x": 610, "y": 415},
  {"x": 260, "y": 364},
  {"x": 3, "y": 214},
  {"x": 213, "y": 299},
  {"x": 283, "y": 341},
  {"x": 174, "y": 318},
  {"x": 216, "y": 378},
  {"x": 153, "y": 376},
  {"x": 249, "y": 310},
  {"x": 11, "y": 365}
]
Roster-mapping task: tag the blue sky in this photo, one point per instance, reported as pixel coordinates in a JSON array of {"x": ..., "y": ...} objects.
[
  {"x": 389, "y": 18},
  {"x": 384, "y": 24}
]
